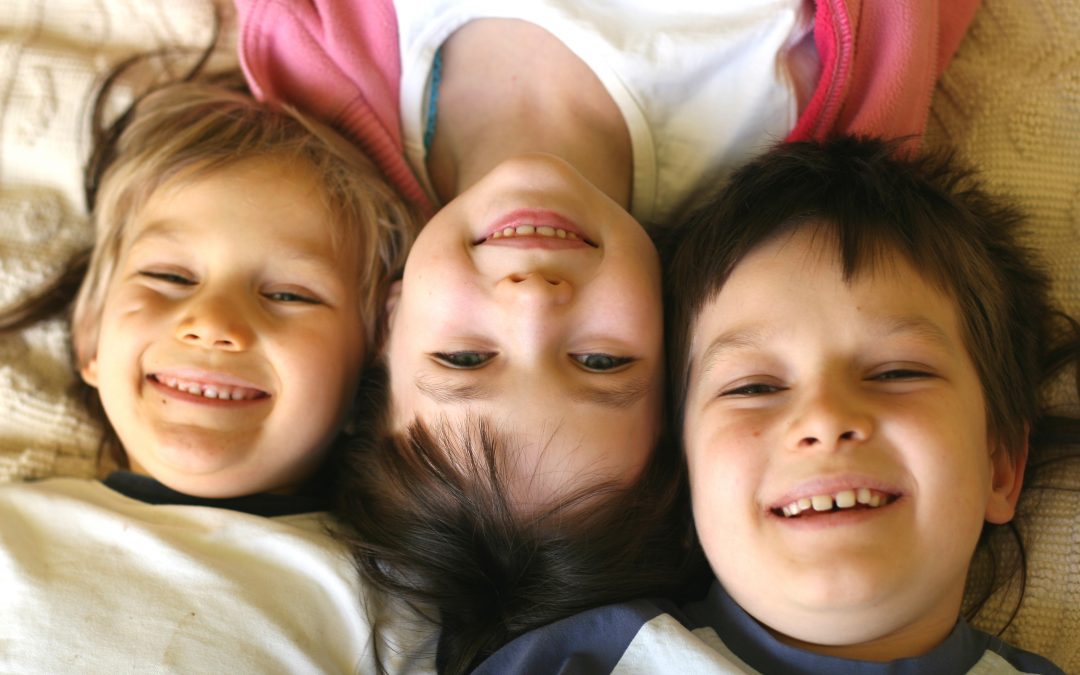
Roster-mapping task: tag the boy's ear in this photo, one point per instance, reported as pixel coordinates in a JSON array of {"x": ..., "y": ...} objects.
[
  {"x": 393, "y": 294},
  {"x": 1007, "y": 477},
  {"x": 89, "y": 372}
]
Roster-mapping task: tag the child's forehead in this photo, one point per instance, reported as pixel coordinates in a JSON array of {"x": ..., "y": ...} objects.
[
  {"x": 259, "y": 196},
  {"x": 775, "y": 288}
]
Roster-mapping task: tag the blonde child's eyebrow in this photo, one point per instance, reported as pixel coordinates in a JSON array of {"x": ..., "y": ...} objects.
[
  {"x": 166, "y": 229},
  {"x": 172, "y": 231}
]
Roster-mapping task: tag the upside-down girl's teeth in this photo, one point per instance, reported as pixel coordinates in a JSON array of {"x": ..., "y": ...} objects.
[
  {"x": 531, "y": 230},
  {"x": 845, "y": 499}
]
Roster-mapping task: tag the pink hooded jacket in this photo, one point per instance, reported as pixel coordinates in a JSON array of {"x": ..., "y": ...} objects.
[{"x": 339, "y": 61}]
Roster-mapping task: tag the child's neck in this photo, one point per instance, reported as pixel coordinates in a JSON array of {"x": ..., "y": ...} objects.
[
  {"x": 915, "y": 640},
  {"x": 509, "y": 87}
]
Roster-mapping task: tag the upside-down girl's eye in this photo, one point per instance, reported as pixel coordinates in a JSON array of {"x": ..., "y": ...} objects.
[
  {"x": 168, "y": 277},
  {"x": 463, "y": 359},
  {"x": 601, "y": 362}
]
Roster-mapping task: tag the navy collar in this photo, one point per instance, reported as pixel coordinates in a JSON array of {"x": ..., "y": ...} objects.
[
  {"x": 749, "y": 640},
  {"x": 146, "y": 489}
]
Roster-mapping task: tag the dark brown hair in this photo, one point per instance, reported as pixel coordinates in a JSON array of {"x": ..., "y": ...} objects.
[
  {"x": 878, "y": 203},
  {"x": 436, "y": 526}
]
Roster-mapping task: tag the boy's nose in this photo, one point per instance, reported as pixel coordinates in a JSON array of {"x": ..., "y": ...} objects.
[
  {"x": 214, "y": 323},
  {"x": 829, "y": 419}
]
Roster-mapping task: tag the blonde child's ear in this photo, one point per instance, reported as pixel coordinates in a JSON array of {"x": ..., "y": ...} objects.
[
  {"x": 393, "y": 294},
  {"x": 1007, "y": 478},
  {"x": 89, "y": 371}
]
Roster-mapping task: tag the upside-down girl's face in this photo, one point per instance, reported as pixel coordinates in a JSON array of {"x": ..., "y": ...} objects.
[
  {"x": 534, "y": 301},
  {"x": 230, "y": 340}
]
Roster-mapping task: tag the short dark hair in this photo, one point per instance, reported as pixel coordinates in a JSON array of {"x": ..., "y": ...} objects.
[
  {"x": 878, "y": 202},
  {"x": 435, "y": 524}
]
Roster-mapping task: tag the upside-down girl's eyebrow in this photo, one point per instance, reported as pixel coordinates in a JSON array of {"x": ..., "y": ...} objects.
[
  {"x": 620, "y": 396},
  {"x": 449, "y": 390}
]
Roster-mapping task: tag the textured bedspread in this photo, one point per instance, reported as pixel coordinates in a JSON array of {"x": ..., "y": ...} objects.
[{"x": 1010, "y": 102}]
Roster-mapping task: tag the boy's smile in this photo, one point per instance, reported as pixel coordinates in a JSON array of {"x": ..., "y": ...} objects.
[
  {"x": 231, "y": 338},
  {"x": 836, "y": 438}
]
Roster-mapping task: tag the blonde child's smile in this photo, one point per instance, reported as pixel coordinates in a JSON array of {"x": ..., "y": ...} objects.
[{"x": 203, "y": 387}]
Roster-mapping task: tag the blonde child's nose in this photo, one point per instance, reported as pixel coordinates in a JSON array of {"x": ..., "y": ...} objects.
[{"x": 215, "y": 323}]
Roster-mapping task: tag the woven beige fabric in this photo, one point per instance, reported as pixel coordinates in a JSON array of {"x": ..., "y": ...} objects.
[{"x": 1010, "y": 102}]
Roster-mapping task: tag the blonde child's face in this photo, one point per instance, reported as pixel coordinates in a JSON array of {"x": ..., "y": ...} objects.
[
  {"x": 836, "y": 439},
  {"x": 230, "y": 340},
  {"x": 555, "y": 338}
]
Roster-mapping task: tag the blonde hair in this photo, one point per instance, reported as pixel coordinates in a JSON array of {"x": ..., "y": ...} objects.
[{"x": 186, "y": 130}]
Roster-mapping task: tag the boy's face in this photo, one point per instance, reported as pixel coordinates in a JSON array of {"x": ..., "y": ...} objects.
[
  {"x": 807, "y": 395},
  {"x": 230, "y": 341},
  {"x": 556, "y": 339}
]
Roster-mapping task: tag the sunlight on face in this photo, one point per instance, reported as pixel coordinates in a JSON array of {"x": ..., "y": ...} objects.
[
  {"x": 230, "y": 341},
  {"x": 532, "y": 300},
  {"x": 836, "y": 438}
]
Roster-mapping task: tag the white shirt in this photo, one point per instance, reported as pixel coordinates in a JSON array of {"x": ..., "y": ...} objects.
[
  {"x": 96, "y": 582},
  {"x": 703, "y": 85}
]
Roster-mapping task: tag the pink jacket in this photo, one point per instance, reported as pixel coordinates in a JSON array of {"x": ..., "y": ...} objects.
[{"x": 339, "y": 60}]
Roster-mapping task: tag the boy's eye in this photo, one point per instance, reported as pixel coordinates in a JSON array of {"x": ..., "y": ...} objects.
[
  {"x": 601, "y": 362},
  {"x": 289, "y": 297},
  {"x": 752, "y": 389},
  {"x": 463, "y": 359},
  {"x": 168, "y": 277}
]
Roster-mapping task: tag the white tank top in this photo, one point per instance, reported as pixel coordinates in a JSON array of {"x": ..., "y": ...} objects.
[{"x": 702, "y": 84}]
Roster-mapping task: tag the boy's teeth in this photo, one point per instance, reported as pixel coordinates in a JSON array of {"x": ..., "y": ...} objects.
[
  {"x": 845, "y": 499},
  {"x": 532, "y": 230}
]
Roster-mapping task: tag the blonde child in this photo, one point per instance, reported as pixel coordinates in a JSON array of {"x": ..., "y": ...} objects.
[
  {"x": 230, "y": 304},
  {"x": 858, "y": 346}
]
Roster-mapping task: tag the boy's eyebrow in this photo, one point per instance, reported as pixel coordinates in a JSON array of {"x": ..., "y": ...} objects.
[
  {"x": 736, "y": 339},
  {"x": 919, "y": 326},
  {"x": 623, "y": 395},
  {"x": 739, "y": 339}
]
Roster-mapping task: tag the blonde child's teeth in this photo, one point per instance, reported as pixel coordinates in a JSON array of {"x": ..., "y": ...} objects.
[
  {"x": 822, "y": 502},
  {"x": 862, "y": 495},
  {"x": 525, "y": 230},
  {"x": 804, "y": 503},
  {"x": 210, "y": 391}
]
